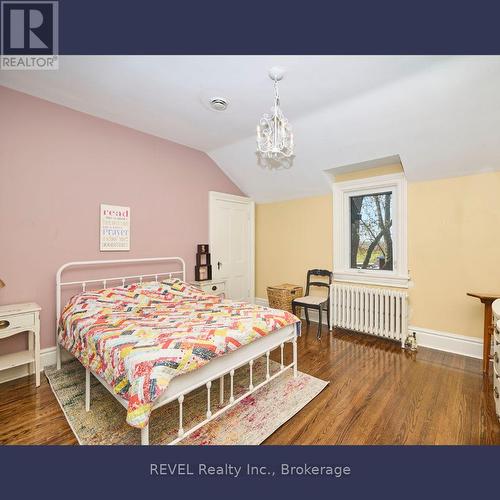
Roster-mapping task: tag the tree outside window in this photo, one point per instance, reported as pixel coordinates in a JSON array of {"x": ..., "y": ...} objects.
[{"x": 371, "y": 232}]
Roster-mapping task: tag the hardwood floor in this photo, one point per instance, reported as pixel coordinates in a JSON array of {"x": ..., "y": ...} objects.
[{"x": 378, "y": 394}]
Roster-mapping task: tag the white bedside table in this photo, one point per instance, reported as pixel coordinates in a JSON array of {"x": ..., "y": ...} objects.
[
  {"x": 19, "y": 318},
  {"x": 213, "y": 287}
]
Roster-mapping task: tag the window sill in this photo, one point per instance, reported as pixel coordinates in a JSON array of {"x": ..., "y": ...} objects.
[{"x": 368, "y": 278}]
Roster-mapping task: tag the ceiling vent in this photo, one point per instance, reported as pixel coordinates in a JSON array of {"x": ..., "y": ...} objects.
[{"x": 219, "y": 103}]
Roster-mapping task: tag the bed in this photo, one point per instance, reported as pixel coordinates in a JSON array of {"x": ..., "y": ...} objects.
[{"x": 150, "y": 339}]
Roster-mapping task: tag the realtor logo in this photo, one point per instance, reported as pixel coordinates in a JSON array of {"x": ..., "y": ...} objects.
[{"x": 30, "y": 32}]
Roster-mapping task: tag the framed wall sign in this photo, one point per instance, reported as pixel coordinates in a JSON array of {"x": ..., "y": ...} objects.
[{"x": 115, "y": 228}]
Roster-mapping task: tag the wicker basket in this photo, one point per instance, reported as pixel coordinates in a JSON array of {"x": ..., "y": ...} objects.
[{"x": 281, "y": 296}]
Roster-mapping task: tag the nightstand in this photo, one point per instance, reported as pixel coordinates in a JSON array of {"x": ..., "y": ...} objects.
[
  {"x": 213, "y": 287},
  {"x": 18, "y": 318}
]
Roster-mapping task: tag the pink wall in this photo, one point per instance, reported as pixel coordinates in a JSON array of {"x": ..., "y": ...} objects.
[{"x": 56, "y": 167}]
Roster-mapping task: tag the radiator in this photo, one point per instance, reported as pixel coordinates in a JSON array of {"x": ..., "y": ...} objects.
[{"x": 377, "y": 311}]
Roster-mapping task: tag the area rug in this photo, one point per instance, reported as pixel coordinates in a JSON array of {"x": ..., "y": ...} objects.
[{"x": 249, "y": 422}]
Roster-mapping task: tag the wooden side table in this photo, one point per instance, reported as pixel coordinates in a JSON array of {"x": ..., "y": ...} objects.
[
  {"x": 487, "y": 299},
  {"x": 16, "y": 319},
  {"x": 213, "y": 287}
]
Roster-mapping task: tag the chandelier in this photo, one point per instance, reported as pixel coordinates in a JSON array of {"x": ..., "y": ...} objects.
[{"x": 274, "y": 133}]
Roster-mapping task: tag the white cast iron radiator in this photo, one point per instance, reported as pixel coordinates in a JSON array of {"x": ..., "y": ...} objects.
[{"x": 377, "y": 311}]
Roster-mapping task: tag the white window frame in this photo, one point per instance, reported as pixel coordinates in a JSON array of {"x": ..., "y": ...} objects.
[{"x": 342, "y": 192}]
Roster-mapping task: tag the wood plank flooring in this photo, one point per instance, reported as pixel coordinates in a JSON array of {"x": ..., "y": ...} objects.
[{"x": 378, "y": 394}]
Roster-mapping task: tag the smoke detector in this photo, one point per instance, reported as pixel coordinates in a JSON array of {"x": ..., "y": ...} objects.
[{"x": 219, "y": 103}]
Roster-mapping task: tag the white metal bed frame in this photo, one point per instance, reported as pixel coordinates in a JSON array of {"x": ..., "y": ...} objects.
[{"x": 182, "y": 434}]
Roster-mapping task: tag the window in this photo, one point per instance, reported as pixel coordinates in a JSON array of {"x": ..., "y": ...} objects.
[{"x": 370, "y": 231}]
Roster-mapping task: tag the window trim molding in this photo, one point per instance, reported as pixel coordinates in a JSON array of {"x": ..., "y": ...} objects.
[{"x": 342, "y": 191}]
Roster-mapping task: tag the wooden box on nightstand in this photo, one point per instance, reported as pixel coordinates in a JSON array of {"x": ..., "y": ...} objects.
[{"x": 18, "y": 318}]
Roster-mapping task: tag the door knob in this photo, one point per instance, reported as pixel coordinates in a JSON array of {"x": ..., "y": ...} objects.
[{"x": 219, "y": 265}]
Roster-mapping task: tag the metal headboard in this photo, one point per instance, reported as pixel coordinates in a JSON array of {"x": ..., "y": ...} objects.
[{"x": 90, "y": 263}]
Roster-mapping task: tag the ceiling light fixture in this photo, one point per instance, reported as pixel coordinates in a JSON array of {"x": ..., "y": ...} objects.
[{"x": 274, "y": 133}]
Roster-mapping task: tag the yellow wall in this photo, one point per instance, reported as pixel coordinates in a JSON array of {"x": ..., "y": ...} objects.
[
  {"x": 370, "y": 172},
  {"x": 453, "y": 245},
  {"x": 290, "y": 238}
]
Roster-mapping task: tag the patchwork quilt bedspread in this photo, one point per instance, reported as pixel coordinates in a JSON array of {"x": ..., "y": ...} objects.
[{"x": 139, "y": 336}]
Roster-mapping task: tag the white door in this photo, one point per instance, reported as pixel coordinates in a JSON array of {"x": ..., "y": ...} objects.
[{"x": 231, "y": 239}]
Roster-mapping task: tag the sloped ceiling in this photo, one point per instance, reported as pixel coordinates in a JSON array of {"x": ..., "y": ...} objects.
[{"x": 441, "y": 115}]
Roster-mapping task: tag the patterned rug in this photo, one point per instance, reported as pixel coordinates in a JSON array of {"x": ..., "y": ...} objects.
[{"x": 249, "y": 422}]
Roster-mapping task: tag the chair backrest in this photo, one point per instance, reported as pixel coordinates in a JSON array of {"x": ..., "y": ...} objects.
[{"x": 319, "y": 272}]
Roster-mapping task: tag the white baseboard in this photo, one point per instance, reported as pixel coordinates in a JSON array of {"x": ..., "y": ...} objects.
[
  {"x": 47, "y": 358},
  {"x": 449, "y": 342},
  {"x": 433, "y": 339}
]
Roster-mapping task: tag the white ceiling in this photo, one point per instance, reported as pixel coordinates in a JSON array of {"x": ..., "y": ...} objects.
[{"x": 440, "y": 114}]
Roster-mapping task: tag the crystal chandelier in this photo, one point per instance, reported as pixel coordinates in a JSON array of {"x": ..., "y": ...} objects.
[{"x": 274, "y": 133}]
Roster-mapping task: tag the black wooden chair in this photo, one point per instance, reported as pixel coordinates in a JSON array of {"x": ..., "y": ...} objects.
[{"x": 314, "y": 301}]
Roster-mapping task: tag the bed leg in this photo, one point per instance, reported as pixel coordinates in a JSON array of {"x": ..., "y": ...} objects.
[
  {"x": 295, "y": 357},
  {"x": 145, "y": 436},
  {"x": 250, "y": 386},
  {"x": 209, "y": 411},
  {"x": 231, "y": 397},
  {"x": 181, "y": 428},
  {"x": 87, "y": 389},
  {"x": 58, "y": 356},
  {"x": 221, "y": 390}
]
